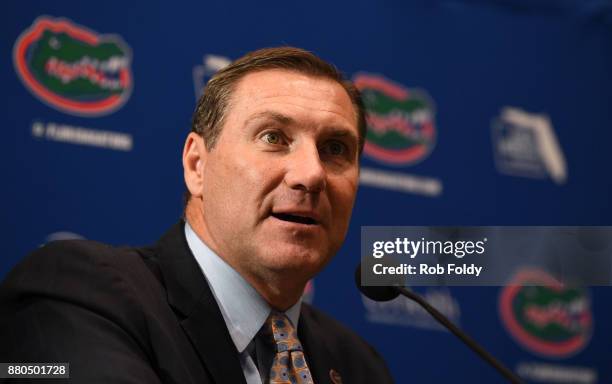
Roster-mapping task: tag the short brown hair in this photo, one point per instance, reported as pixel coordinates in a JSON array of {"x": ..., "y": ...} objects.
[{"x": 212, "y": 106}]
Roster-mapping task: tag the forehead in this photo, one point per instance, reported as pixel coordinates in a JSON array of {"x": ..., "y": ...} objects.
[{"x": 303, "y": 96}]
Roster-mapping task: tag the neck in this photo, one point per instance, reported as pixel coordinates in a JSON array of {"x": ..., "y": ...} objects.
[{"x": 280, "y": 292}]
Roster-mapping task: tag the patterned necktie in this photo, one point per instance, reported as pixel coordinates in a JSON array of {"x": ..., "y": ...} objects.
[{"x": 289, "y": 365}]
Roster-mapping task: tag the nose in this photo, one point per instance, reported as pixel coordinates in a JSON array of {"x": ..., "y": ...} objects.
[{"x": 305, "y": 171}]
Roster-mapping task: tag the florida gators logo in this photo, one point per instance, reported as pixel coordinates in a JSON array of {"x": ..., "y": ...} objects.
[
  {"x": 401, "y": 126},
  {"x": 545, "y": 316},
  {"x": 72, "y": 68}
]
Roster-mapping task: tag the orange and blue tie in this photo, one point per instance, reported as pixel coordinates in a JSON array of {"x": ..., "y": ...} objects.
[{"x": 289, "y": 365}]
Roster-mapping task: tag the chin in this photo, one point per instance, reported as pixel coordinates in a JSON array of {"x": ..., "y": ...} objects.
[{"x": 291, "y": 257}]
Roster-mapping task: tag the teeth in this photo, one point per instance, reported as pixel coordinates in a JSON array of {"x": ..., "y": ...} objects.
[{"x": 110, "y": 84}]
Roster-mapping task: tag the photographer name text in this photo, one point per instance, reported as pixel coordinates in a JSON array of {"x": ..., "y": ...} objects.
[{"x": 426, "y": 269}]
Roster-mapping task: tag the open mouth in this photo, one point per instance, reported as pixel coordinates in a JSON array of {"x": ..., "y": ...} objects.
[{"x": 295, "y": 218}]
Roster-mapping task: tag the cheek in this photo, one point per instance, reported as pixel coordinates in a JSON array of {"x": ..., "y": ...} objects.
[
  {"x": 234, "y": 170},
  {"x": 342, "y": 200},
  {"x": 224, "y": 186},
  {"x": 246, "y": 181},
  {"x": 261, "y": 175}
]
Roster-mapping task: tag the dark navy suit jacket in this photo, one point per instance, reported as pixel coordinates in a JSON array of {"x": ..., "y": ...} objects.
[{"x": 146, "y": 315}]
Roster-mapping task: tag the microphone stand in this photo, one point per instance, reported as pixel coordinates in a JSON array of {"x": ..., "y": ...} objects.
[{"x": 508, "y": 374}]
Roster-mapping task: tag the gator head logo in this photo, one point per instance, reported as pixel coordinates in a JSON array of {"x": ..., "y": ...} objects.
[
  {"x": 545, "y": 316},
  {"x": 401, "y": 128},
  {"x": 72, "y": 68}
]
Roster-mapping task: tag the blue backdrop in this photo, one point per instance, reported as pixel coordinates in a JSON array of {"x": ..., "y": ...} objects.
[{"x": 482, "y": 113}]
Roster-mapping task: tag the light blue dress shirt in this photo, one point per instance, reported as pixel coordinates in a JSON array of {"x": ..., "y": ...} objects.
[{"x": 242, "y": 307}]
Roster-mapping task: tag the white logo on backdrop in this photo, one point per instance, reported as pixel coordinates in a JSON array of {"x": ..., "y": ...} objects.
[
  {"x": 203, "y": 72},
  {"x": 525, "y": 145}
]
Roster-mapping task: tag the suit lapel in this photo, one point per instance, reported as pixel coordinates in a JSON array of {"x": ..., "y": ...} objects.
[
  {"x": 189, "y": 294},
  {"x": 321, "y": 360}
]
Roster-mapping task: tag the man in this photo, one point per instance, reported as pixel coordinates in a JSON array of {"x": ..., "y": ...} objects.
[{"x": 271, "y": 168}]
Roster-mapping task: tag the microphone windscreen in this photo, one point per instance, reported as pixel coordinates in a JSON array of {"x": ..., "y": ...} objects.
[{"x": 373, "y": 292}]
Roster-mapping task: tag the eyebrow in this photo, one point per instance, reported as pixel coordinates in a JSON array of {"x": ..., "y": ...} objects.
[
  {"x": 278, "y": 117},
  {"x": 343, "y": 132},
  {"x": 333, "y": 130}
]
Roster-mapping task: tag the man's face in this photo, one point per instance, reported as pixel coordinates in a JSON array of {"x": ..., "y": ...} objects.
[{"x": 280, "y": 183}]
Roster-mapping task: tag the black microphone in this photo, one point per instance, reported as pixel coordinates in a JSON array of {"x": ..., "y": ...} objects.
[{"x": 391, "y": 292}]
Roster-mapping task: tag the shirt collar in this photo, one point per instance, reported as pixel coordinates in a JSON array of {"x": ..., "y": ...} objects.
[{"x": 242, "y": 307}]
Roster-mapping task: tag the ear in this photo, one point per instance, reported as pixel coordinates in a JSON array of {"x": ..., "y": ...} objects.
[{"x": 194, "y": 161}]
